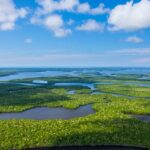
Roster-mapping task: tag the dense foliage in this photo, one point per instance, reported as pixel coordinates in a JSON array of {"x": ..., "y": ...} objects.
[{"x": 111, "y": 124}]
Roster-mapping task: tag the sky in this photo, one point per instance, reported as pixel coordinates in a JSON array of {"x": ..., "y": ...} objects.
[{"x": 74, "y": 33}]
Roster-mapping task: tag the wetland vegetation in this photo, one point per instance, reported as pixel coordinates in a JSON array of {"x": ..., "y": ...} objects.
[{"x": 114, "y": 121}]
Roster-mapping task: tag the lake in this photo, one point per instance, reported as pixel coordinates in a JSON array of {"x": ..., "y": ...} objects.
[{"x": 44, "y": 113}]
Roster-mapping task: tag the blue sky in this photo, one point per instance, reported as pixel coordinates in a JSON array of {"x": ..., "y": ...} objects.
[{"x": 74, "y": 33}]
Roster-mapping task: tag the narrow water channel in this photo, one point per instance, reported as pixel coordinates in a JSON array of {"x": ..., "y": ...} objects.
[{"x": 145, "y": 118}]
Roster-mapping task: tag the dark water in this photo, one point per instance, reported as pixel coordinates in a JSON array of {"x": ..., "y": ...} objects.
[
  {"x": 43, "y": 113},
  {"x": 145, "y": 118}
]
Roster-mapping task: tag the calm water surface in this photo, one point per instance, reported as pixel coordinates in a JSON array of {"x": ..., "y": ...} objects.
[
  {"x": 40, "y": 81},
  {"x": 43, "y": 113},
  {"x": 144, "y": 118}
]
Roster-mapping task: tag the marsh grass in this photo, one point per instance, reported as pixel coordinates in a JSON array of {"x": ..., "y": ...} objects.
[{"x": 111, "y": 123}]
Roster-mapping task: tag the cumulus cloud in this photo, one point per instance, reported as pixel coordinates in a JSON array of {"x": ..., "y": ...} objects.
[
  {"x": 44, "y": 15},
  {"x": 47, "y": 15},
  {"x": 54, "y": 23},
  {"x": 9, "y": 14},
  {"x": 100, "y": 10},
  {"x": 49, "y": 6},
  {"x": 86, "y": 8},
  {"x": 134, "y": 39},
  {"x": 130, "y": 16},
  {"x": 83, "y": 8},
  {"x": 90, "y": 25}
]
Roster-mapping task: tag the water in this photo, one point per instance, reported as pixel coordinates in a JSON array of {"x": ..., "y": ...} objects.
[
  {"x": 24, "y": 73},
  {"x": 116, "y": 70},
  {"x": 27, "y": 84},
  {"x": 93, "y": 89},
  {"x": 138, "y": 84},
  {"x": 103, "y": 83},
  {"x": 97, "y": 93},
  {"x": 113, "y": 94},
  {"x": 27, "y": 73},
  {"x": 71, "y": 92},
  {"x": 125, "y": 96},
  {"x": 89, "y": 85},
  {"x": 40, "y": 81},
  {"x": 145, "y": 85},
  {"x": 145, "y": 78},
  {"x": 144, "y": 118},
  {"x": 44, "y": 113}
]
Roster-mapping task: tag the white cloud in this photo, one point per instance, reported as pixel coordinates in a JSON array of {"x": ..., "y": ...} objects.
[
  {"x": 47, "y": 14},
  {"x": 130, "y": 16},
  {"x": 99, "y": 10},
  {"x": 28, "y": 40},
  {"x": 55, "y": 23},
  {"x": 9, "y": 14},
  {"x": 91, "y": 25},
  {"x": 83, "y": 8},
  {"x": 86, "y": 8},
  {"x": 49, "y": 6},
  {"x": 134, "y": 39}
]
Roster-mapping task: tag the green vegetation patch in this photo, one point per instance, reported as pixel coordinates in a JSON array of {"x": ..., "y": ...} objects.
[
  {"x": 130, "y": 90},
  {"x": 111, "y": 124}
]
